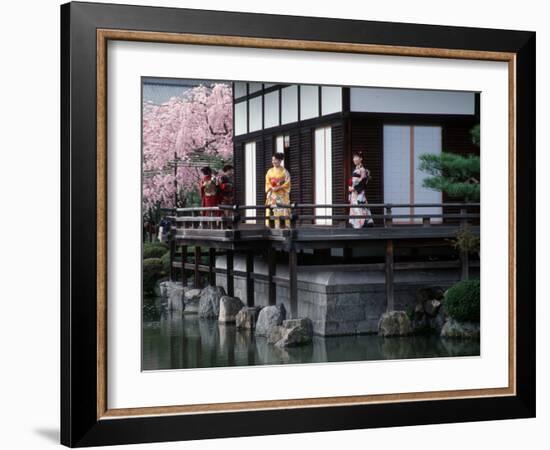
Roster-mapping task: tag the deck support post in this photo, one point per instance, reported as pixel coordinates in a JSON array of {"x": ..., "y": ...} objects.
[
  {"x": 172, "y": 257},
  {"x": 197, "y": 271},
  {"x": 229, "y": 269},
  {"x": 272, "y": 292},
  {"x": 249, "y": 278},
  {"x": 389, "y": 275},
  {"x": 183, "y": 261},
  {"x": 293, "y": 282},
  {"x": 212, "y": 266}
]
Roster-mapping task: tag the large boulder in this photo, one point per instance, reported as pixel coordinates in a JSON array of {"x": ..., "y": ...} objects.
[
  {"x": 191, "y": 298},
  {"x": 394, "y": 323},
  {"x": 464, "y": 330},
  {"x": 229, "y": 307},
  {"x": 246, "y": 318},
  {"x": 209, "y": 302},
  {"x": 269, "y": 317},
  {"x": 295, "y": 332}
]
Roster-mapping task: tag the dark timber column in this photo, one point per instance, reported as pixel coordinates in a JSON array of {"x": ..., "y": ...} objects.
[
  {"x": 197, "y": 262},
  {"x": 272, "y": 293},
  {"x": 249, "y": 278},
  {"x": 172, "y": 255},
  {"x": 211, "y": 266},
  {"x": 293, "y": 282},
  {"x": 230, "y": 278},
  {"x": 389, "y": 275},
  {"x": 183, "y": 261}
]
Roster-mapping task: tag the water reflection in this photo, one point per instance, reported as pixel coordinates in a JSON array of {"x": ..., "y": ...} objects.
[{"x": 179, "y": 341}]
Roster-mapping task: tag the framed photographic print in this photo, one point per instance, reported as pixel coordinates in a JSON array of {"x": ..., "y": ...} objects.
[{"x": 279, "y": 224}]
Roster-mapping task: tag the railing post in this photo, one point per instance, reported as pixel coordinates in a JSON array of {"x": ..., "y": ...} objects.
[
  {"x": 293, "y": 216},
  {"x": 236, "y": 217},
  {"x": 388, "y": 222}
]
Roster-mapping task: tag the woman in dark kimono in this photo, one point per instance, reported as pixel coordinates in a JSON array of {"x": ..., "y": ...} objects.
[{"x": 357, "y": 195}]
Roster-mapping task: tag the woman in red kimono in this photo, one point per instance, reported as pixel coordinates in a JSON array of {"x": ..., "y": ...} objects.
[{"x": 209, "y": 190}]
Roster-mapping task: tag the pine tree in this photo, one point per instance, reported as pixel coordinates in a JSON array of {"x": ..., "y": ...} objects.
[{"x": 456, "y": 175}]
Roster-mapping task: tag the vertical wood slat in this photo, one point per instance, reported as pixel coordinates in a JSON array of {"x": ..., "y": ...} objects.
[
  {"x": 339, "y": 185},
  {"x": 367, "y": 137},
  {"x": 239, "y": 177},
  {"x": 260, "y": 172},
  {"x": 297, "y": 179}
]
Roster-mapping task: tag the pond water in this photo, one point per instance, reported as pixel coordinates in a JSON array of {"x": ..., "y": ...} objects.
[{"x": 183, "y": 341}]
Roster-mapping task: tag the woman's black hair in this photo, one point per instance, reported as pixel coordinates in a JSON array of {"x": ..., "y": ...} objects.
[
  {"x": 227, "y": 167},
  {"x": 357, "y": 153},
  {"x": 279, "y": 155},
  {"x": 206, "y": 170}
]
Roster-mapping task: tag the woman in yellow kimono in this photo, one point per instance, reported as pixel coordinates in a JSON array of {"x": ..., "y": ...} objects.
[{"x": 277, "y": 191}]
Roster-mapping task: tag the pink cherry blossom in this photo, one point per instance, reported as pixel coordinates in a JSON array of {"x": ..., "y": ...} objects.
[{"x": 197, "y": 124}]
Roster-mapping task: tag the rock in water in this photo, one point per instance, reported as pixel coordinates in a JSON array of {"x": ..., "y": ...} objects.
[
  {"x": 455, "y": 329},
  {"x": 209, "y": 302},
  {"x": 295, "y": 332},
  {"x": 394, "y": 323},
  {"x": 191, "y": 298},
  {"x": 269, "y": 317},
  {"x": 432, "y": 307},
  {"x": 275, "y": 334},
  {"x": 175, "y": 298},
  {"x": 229, "y": 307},
  {"x": 246, "y": 318}
]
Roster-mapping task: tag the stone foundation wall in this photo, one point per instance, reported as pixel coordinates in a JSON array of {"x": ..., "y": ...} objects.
[{"x": 340, "y": 301}]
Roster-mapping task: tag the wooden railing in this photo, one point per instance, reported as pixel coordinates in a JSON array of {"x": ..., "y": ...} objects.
[{"x": 296, "y": 214}]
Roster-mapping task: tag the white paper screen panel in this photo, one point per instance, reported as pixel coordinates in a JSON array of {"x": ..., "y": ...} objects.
[
  {"x": 323, "y": 173},
  {"x": 403, "y": 145},
  {"x": 250, "y": 176}
]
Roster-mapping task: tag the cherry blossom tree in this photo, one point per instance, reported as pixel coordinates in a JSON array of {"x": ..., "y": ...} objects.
[{"x": 187, "y": 130}]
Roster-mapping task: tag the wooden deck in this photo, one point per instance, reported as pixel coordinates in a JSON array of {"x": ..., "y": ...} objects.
[{"x": 233, "y": 229}]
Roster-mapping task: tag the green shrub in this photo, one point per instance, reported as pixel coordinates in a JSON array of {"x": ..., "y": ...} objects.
[
  {"x": 462, "y": 301},
  {"x": 154, "y": 249},
  {"x": 152, "y": 272},
  {"x": 165, "y": 258}
]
